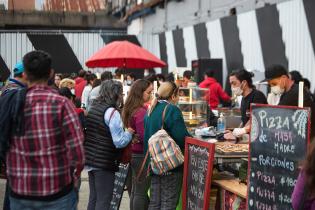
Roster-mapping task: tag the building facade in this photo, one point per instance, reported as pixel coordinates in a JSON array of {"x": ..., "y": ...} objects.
[{"x": 244, "y": 33}]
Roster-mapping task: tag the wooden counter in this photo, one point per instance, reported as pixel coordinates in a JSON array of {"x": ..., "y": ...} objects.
[{"x": 233, "y": 186}]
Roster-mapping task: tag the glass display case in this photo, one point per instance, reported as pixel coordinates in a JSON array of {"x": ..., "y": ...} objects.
[{"x": 194, "y": 106}]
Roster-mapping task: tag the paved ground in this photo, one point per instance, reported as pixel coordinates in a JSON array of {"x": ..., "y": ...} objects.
[{"x": 84, "y": 194}]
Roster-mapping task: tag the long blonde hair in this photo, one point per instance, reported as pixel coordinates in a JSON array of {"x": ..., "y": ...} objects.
[{"x": 165, "y": 92}]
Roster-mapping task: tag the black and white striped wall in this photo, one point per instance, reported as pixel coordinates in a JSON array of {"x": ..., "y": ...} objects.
[
  {"x": 276, "y": 34},
  {"x": 69, "y": 49}
]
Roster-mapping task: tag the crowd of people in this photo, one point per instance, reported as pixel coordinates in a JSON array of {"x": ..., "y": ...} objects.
[{"x": 53, "y": 126}]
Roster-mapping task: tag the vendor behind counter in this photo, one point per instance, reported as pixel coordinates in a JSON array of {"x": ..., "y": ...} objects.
[
  {"x": 242, "y": 85},
  {"x": 280, "y": 83}
]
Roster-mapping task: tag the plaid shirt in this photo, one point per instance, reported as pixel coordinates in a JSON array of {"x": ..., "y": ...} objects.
[{"x": 42, "y": 161}]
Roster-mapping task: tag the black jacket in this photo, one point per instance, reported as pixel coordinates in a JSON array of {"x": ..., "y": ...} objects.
[
  {"x": 99, "y": 148},
  {"x": 12, "y": 117},
  {"x": 291, "y": 98}
]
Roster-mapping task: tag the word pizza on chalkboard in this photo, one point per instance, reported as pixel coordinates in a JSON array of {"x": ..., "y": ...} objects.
[
  {"x": 119, "y": 184},
  {"x": 279, "y": 137},
  {"x": 198, "y": 165}
]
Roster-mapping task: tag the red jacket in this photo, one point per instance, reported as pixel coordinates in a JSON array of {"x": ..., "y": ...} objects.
[
  {"x": 79, "y": 86},
  {"x": 215, "y": 92}
]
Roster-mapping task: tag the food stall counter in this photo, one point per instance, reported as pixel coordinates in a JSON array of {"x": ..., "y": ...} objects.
[{"x": 233, "y": 186}]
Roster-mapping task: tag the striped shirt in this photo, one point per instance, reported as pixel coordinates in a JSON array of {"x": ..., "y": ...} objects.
[{"x": 49, "y": 156}]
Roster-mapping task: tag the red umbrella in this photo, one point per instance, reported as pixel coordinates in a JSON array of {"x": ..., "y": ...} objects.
[{"x": 124, "y": 54}]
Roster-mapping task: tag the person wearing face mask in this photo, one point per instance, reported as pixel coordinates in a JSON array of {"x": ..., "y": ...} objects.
[
  {"x": 130, "y": 79},
  {"x": 242, "y": 85},
  {"x": 277, "y": 77}
]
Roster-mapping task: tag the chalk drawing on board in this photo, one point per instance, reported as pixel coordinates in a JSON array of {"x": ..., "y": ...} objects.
[
  {"x": 300, "y": 122},
  {"x": 198, "y": 149},
  {"x": 254, "y": 129}
]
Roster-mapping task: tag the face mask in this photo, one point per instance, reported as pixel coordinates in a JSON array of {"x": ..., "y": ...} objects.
[
  {"x": 277, "y": 90},
  {"x": 146, "y": 73},
  {"x": 237, "y": 91},
  {"x": 72, "y": 91},
  {"x": 129, "y": 82}
]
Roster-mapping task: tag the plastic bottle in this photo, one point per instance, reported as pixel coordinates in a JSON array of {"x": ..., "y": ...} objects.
[{"x": 221, "y": 124}]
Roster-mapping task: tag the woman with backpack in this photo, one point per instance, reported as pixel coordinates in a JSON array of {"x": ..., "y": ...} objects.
[
  {"x": 165, "y": 115},
  {"x": 105, "y": 137},
  {"x": 133, "y": 116}
]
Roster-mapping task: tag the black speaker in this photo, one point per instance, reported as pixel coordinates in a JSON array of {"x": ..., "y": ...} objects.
[{"x": 200, "y": 66}]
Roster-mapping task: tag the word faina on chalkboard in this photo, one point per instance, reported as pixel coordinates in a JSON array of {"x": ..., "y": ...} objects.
[
  {"x": 279, "y": 137},
  {"x": 197, "y": 174}
]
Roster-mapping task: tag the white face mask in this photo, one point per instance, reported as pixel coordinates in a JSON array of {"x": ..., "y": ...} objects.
[
  {"x": 146, "y": 73},
  {"x": 277, "y": 90},
  {"x": 72, "y": 91},
  {"x": 129, "y": 82},
  {"x": 237, "y": 91}
]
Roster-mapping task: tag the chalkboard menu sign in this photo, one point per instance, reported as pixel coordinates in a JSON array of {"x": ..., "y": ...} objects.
[
  {"x": 120, "y": 181},
  {"x": 279, "y": 137},
  {"x": 198, "y": 165}
]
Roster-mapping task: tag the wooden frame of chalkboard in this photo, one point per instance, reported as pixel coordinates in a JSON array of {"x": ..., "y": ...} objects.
[
  {"x": 210, "y": 147},
  {"x": 259, "y": 132}
]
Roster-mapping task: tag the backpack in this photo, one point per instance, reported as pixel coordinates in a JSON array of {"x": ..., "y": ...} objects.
[{"x": 164, "y": 152}]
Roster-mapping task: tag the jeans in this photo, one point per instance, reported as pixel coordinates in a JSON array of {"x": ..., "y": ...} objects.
[
  {"x": 139, "y": 199},
  {"x": 101, "y": 183},
  {"x": 165, "y": 191},
  {"x": 67, "y": 202},
  {"x": 129, "y": 182}
]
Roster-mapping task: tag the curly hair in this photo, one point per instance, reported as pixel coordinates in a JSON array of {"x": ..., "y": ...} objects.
[{"x": 69, "y": 83}]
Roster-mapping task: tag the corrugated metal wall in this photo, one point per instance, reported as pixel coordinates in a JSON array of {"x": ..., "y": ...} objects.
[
  {"x": 296, "y": 36},
  {"x": 84, "y": 45},
  {"x": 14, "y": 45},
  {"x": 274, "y": 34},
  {"x": 151, "y": 43}
]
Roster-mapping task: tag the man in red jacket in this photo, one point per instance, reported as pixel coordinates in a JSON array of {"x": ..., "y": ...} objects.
[
  {"x": 216, "y": 91},
  {"x": 80, "y": 83}
]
